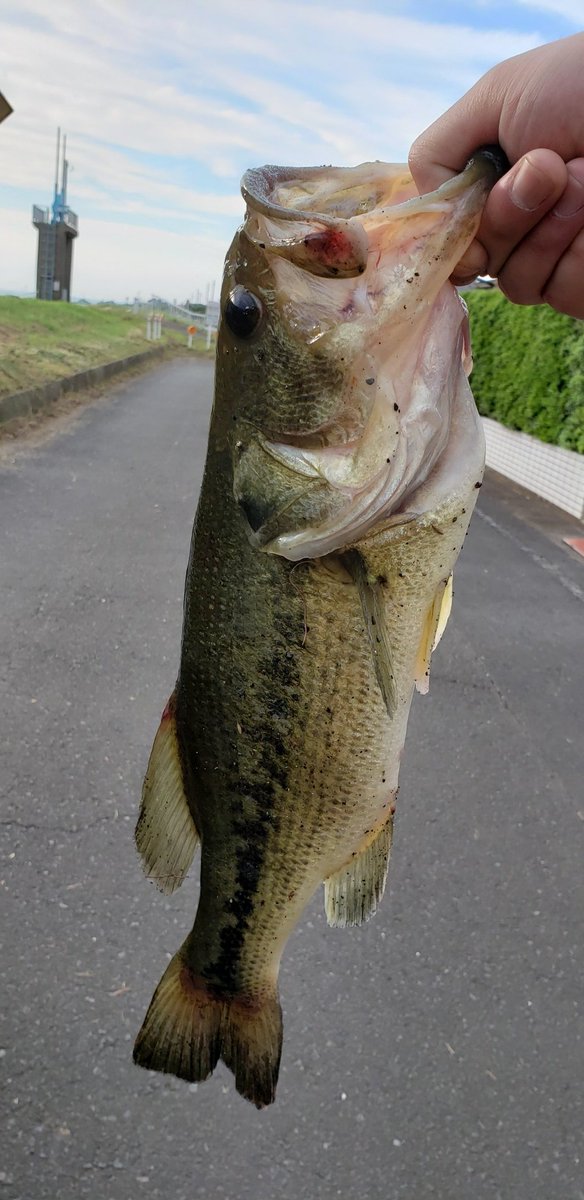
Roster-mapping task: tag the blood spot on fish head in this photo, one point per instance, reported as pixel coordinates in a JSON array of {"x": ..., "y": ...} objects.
[{"x": 331, "y": 249}]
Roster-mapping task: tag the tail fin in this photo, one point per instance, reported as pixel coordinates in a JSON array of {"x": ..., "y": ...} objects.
[{"x": 188, "y": 1028}]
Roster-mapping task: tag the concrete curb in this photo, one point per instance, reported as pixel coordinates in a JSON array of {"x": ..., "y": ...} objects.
[{"x": 24, "y": 404}]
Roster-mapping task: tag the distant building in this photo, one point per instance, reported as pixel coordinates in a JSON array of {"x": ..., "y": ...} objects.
[{"x": 57, "y": 227}]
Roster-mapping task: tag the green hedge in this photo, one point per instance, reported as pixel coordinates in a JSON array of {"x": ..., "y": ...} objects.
[{"x": 528, "y": 368}]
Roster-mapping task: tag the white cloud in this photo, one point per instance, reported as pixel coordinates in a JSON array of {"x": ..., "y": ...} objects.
[
  {"x": 166, "y": 104},
  {"x": 120, "y": 259}
]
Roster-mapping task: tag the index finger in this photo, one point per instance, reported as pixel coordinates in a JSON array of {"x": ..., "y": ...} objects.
[{"x": 444, "y": 148}]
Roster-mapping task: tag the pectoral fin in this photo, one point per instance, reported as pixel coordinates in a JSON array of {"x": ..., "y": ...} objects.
[
  {"x": 434, "y": 626},
  {"x": 371, "y": 596},
  {"x": 352, "y": 894},
  {"x": 166, "y": 836}
]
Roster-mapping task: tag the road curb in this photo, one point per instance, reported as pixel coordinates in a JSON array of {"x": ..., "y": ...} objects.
[{"x": 32, "y": 400}]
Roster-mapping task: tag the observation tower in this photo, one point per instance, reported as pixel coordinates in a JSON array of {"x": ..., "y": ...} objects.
[{"x": 58, "y": 227}]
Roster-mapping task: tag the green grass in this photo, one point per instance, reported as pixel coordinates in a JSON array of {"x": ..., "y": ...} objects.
[{"x": 41, "y": 340}]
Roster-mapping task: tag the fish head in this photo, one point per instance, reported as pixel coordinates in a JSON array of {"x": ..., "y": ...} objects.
[{"x": 343, "y": 352}]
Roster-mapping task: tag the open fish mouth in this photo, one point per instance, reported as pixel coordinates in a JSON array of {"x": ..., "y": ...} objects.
[
  {"x": 362, "y": 265},
  {"x": 319, "y": 219}
]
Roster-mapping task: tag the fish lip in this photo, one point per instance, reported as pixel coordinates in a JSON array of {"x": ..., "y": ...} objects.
[
  {"x": 254, "y": 189},
  {"x": 260, "y": 539},
  {"x": 487, "y": 164},
  {"x": 483, "y": 169},
  {"x": 490, "y": 159}
]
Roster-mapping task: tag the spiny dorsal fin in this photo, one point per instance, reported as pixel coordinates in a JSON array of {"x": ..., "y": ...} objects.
[
  {"x": 166, "y": 836},
  {"x": 434, "y": 626},
  {"x": 352, "y": 894},
  {"x": 371, "y": 596}
]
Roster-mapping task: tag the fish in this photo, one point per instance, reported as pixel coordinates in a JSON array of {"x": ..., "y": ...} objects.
[{"x": 344, "y": 459}]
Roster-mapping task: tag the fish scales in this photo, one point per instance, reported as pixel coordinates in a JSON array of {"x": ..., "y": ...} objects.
[
  {"x": 315, "y": 670},
  {"x": 343, "y": 460}
]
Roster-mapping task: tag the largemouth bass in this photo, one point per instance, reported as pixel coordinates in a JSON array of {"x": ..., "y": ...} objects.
[{"x": 345, "y": 453}]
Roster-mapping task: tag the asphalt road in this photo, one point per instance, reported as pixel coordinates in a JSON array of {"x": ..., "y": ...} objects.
[{"x": 437, "y": 1052}]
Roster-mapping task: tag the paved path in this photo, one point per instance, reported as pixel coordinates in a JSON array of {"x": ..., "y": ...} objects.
[{"x": 435, "y": 1053}]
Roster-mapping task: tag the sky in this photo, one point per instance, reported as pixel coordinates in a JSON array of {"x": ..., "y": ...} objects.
[{"x": 166, "y": 103}]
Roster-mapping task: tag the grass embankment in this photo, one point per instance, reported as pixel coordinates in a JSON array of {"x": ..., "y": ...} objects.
[
  {"x": 42, "y": 340},
  {"x": 529, "y": 368}
]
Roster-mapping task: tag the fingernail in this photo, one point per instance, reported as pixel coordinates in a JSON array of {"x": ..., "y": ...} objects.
[
  {"x": 529, "y": 187},
  {"x": 572, "y": 199}
]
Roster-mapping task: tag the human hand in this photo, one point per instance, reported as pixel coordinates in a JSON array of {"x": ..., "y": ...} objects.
[{"x": 531, "y": 234}]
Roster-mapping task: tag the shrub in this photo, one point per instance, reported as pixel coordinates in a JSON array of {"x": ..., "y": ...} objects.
[{"x": 528, "y": 368}]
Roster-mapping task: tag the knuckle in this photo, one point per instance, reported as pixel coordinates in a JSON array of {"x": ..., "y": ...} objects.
[
  {"x": 563, "y": 289},
  {"x": 571, "y": 304},
  {"x": 518, "y": 288}
]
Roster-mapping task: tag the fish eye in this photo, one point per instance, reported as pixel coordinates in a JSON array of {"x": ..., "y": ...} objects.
[{"x": 242, "y": 312}]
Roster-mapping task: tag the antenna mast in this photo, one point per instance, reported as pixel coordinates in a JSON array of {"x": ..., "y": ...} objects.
[{"x": 57, "y": 163}]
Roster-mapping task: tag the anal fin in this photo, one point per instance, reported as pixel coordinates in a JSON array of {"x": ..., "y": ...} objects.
[
  {"x": 166, "y": 836},
  {"x": 434, "y": 626},
  {"x": 352, "y": 894}
]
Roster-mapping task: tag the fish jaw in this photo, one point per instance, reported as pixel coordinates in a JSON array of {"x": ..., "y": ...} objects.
[
  {"x": 403, "y": 331},
  {"x": 431, "y": 471}
]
